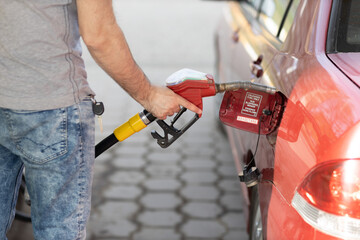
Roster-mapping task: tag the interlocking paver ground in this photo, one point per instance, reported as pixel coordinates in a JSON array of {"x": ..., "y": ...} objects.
[
  {"x": 162, "y": 184},
  {"x": 204, "y": 229},
  {"x": 234, "y": 219},
  {"x": 160, "y": 201},
  {"x": 202, "y": 209},
  {"x": 130, "y": 162},
  {"x": 198, "y": 163},
  {"x": 198, "y": 192},
  {"x": 231, "y": 201},
  {"x": 126, "y": 177},
  {"x": 122, "y": 192},
  {"x": 199, "y": 177},
  {"x": 236, "y": 235},
  {"x": 227, "y": 171},
  {"x": 157, "y": 233},
  {"x": 229, "y": 185},
  {"x": 163, "y": 157},
  {"x": 160, "y": 218}
]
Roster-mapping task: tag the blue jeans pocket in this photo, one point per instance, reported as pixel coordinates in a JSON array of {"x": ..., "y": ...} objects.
[{"x": 39, "y": 136}]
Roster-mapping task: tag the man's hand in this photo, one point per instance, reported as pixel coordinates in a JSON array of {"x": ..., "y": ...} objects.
[{"x": 163, "y": 102}]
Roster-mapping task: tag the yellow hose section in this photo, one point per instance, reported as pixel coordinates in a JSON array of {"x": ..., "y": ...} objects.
[{"x": 135, "y": 124}]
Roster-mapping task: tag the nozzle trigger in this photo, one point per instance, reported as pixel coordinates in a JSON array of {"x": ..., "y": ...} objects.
[
  {"x": 165, "y": 141},
  {"x": 177, "y": 116}
]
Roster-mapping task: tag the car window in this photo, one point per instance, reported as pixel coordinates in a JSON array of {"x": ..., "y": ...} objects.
[
  {"x": 272, "y": 13},
  {"x": 344, "y": 27},
  {"x": 255, "y": 3},
  {"x": 288, "y": 20},
  {"x": 353, "y": 26},
  {"x": 251, "y": 7}
]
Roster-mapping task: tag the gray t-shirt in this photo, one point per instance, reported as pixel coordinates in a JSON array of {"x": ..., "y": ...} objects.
[{"x": 40, "y": 55}]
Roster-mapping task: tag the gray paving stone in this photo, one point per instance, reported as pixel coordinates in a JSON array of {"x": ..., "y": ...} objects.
[
  {"x": 199, "y": 177},
  {"x": 198, "y": 150},
  {"x": 200, "y": 192},
  {"x": 163, "y": 171},
  {"x": 122, "y": 192},
  {"x": 127, "y": 177},
  {"x": 119, "y": 229},
  {"x": 160, "y": 218},
  {"x": 160, "y": 201},
  {"x": 198, "y": 163},
  {"x": 156, "y": 234},
  {"x": 231, "y": 201},
  {"x": 130, "y": 150},
  {"x": 129, "y": 162},
  {"x": 116, "y": 210},
  {"x": 234, "y": 220},
  {"x": 138, "y": 138},
  {"x": 100, "y": 168},
  {"x": 164, "y": 157},
  {"x": 221, "y": 142},
  {"x": 202, "y": 128},
  {"x": 111, "y": 219},
  {"x": 162, "y": 184},
  {"x": 236, "y": 235},
  {"x": 228, "y": 171},
  {"x": 105, "y": 157},
  {"x": 202, "y": 210},
  {"x": 225, "y": 157},
  {"x": 199, "y": 139},
  {"x": 230, "y": 185},
  {"x": 203, "y": 229},
  {"x": 129, "y": 143}
]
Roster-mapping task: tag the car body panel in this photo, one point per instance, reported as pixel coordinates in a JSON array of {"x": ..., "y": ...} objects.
[
  {"x": 253, "y": 41},
  {"x": 321, "y": 121},
  {"x": 240, "y": 31},
  {"x": 290, "y": 225},
  {"x": 319, "y": 89},
  {"x": 348, "y": 63}
]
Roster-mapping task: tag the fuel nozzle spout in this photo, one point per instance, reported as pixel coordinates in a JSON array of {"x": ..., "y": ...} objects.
[{"x": 233, "y": 86}]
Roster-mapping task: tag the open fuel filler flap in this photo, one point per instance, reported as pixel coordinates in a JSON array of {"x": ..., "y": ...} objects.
[{"x": 252, "y": 111}]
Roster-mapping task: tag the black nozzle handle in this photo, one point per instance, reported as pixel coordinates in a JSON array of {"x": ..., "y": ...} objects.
[
  {"x": 147, "y": 117},
  {"x": 171, "y": 134}
]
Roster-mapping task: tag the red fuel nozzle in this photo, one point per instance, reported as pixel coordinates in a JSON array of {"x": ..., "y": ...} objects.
[{"x": 195, "y": 90}]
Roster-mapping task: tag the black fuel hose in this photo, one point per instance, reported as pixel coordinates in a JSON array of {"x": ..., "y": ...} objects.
[{"x": 105, "y": 144}]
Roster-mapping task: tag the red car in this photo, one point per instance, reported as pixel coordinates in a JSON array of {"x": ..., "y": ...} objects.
[{"x": 309, "y": 164}]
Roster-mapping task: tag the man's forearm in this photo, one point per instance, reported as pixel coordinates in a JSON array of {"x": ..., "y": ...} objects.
[
  {"x": 108, "y": 46},
  {"x": 114, "y": 56}
]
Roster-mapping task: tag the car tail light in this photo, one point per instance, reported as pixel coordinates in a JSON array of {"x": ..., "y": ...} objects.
[{"x": 329, "y": 198}]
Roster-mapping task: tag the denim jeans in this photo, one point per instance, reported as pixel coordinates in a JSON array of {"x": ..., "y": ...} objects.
[{"x": 56, "y": 147}]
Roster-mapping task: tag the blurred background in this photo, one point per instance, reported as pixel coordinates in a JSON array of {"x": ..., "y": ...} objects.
[{"x": 189, "y": 191}]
